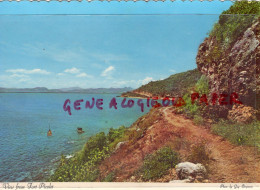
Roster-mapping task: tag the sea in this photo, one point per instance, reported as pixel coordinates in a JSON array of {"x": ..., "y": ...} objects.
[{"x": 27, "y": 153}]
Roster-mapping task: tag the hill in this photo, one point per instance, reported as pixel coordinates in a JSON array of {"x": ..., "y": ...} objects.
[{"x": 175, "y": 85}]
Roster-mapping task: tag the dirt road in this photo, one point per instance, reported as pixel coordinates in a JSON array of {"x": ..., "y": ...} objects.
[{"x": 229, "y": 163}]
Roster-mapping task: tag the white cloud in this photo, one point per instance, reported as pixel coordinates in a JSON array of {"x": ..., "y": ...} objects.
[
  {"x": 24, "y": 79},
  {"x": 60, "y": 74},
  {"x": 124, "y": 83},
  {"x": 146, "y": 80},
  {"x": 107, "y": 71},
  {"x": 72, "y": 70},
  {"x": 172, "y": 70},
  {"x": 81, "y": 75},
  {"x": 25, "y": 71},
  {"x": 18, "y": 76}
]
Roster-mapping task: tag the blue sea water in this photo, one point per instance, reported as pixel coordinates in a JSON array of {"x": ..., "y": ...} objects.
[{"x": 27, "y": 154}]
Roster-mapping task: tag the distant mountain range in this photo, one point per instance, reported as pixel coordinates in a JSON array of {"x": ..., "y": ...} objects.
[{"x": 66, "y": 90}]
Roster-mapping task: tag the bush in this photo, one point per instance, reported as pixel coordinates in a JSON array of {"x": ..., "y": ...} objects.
[
  {"x": 110, "y": 177},
  {"x": 114, "y": 134},
  {"x": 156, "y": 165},
  {"x": 198, "y": 120},
  {"x": 199, "y": 154},
  {"x": 195, "y": 110},
  {"x": 202, "y": 86},
  {"x": 94, "y": 144}
]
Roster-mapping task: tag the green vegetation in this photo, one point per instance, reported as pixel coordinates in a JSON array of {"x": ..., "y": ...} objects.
[
  {"x": 232, "y": 23},
  {"x": 84, "y": 165},
  {"x": 110, "y": 177},
  {"x": 196, "y": 110},
  {"x": 244, "y": 7},
  {"x": 240, "y": 134},
  {"x": 157, "y": 164},
  {"x": 146, "y": 121},
  {"x": 175, "y": 85},
  {"x": 199, "y": 154},
  {"x": 202, "y": 86}
]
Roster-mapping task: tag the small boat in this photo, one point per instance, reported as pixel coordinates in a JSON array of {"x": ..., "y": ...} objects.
[
  {"x": 49, "y": 133},
  {"x": 79, "y": 130}
]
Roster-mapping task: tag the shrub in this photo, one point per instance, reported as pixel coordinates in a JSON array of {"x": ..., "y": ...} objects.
[
  {"x": 198, "y": 120},
  {"x": 95, "y": 143},
  {"x": 114, "y": 134},
  {"x": 199, "y": 154},
  {"x": 156, "y": 165},
  {"x": 202, "y": 86},
  {"x": 110, "y": 177},
  {"x": 196, "y": 110}
]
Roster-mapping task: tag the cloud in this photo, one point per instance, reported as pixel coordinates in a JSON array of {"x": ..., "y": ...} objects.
[
  {"x": 81, "y": 75},
  {"x": 172, "y": 70},
  {"x": 60, "y": 74},
  {"x": 146, "y": 80},
  {"x": 25, "y": 71},
  {"x": 18, "y": 76},
  {"x": 107, "y": 71},
  {"x": 124, "y": 83},
  {"x": 72, "y": 70}
]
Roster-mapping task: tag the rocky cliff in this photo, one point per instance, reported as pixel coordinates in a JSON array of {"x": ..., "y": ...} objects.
[{"x": 234, "y": 68}]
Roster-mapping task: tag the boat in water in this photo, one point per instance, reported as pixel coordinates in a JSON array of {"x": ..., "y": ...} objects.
[
  {"x": 80, "y": 130},
  {"x": 49, "y": 133}
]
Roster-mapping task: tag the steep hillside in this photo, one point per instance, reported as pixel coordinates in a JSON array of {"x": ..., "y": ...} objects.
[{"x": 230, "y": 58}]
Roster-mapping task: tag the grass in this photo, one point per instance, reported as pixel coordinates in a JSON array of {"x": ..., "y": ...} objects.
[
  {"x": 239, "y": 134},
  {"x": 158, "y": 164}
]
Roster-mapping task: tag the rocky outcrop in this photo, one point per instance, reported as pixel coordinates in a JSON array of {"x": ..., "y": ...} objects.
[
  {"x": 242, "y": 114},
  {"x": 189, "y": 171},
  {"x": 233, "y": 69}
]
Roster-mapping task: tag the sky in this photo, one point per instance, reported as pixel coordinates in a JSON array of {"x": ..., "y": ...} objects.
[{"x": 93, "y": 45}]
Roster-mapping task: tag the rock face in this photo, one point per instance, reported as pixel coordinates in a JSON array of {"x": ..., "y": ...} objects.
[
  {"x": 190, "y": 171},
  {"x": 235, "y": 69},
  {"x": 242, "y": 114}
]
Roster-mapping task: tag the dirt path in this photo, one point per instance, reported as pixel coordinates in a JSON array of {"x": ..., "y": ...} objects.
[{"x": 229, "y": 163}]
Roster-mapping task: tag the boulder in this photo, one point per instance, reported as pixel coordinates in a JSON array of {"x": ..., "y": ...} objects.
[
  {"x": 119, "y": 145},
  {"x": 188, "y": 170}
]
